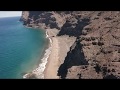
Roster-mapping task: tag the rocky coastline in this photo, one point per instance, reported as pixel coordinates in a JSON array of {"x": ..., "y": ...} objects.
[{"x": 91, "y": 42}]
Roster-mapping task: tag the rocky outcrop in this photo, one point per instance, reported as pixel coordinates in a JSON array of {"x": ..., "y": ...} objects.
[
  {"x": 42, "y": 19},
  {"x": 96, "y": 51},
  {"x": 100, "y": 44}
]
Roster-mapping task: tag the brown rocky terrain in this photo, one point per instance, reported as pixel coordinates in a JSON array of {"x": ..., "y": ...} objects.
[{"x": 96, "y": 52}]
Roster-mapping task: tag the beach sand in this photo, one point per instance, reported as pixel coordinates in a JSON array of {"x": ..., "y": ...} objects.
[
  {"x": 59, "y": 48},
  {"x": 52, "y": 65}
]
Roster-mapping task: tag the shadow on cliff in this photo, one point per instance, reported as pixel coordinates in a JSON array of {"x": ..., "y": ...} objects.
[
  {"x": 74, "y": 57},
  {"x": 74, "y": 29},
  {"x": 111, "y": 76}
]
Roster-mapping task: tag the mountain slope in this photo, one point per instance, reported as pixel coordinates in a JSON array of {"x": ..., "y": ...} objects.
[{"x": 96, "y": 51}]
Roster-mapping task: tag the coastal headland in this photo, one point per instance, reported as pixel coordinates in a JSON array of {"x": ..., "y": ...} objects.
[{"x": 83, "y": 44}]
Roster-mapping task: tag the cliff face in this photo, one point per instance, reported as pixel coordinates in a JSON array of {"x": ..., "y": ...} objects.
[{"x": 96, "y": 51}]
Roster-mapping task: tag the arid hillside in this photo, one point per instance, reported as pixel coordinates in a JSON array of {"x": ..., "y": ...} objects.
[{"x": 96, "y": 52}]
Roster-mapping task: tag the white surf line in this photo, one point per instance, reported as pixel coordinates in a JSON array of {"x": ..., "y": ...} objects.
[{"x": 40, "y": 69}]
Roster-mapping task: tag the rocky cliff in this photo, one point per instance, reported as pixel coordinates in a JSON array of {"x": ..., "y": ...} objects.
[{"x": 96, "y": 52}]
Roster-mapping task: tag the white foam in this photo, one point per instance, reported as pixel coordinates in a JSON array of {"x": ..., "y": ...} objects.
[{"x": 40, "y": 69}]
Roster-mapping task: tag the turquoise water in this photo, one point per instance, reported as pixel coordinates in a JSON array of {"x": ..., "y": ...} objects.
[{"x": 20, "y": 48}]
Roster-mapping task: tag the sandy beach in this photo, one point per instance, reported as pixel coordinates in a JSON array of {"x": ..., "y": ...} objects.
[
  {"x": 59, "y": 48},
  {"x": 52, "y": 65}
]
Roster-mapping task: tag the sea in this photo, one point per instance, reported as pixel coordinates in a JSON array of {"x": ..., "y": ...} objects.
[{"x": 21, "y": 48}]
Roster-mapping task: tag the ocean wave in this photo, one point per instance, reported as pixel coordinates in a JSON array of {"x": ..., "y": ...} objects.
[{"x": 40, "y": 69}]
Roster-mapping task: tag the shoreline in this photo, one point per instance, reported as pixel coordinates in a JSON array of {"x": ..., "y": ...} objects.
[
  {"x": 53, "y": 56},
  {"x": 51, "y": 69},
  {"x": 39, "y": 71},
  {"x": 59, "y": 49}
]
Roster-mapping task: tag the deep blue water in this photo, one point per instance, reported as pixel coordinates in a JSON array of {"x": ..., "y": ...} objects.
[{"x": 20, "y": 48}]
